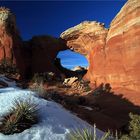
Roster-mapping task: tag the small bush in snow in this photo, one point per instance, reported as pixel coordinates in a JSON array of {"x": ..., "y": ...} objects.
[
  {"x": 22, "y": 116},
  {"x": 7, "y": 67}
]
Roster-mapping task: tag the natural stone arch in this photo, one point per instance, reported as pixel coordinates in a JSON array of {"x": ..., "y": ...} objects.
[{"x": 87, "y": 38}]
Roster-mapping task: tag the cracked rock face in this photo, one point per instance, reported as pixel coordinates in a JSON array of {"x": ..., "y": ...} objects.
[{"x": 114, "y": 54}]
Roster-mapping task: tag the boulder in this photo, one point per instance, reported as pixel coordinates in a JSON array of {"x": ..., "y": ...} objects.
[{"x": 70, "y": 81}]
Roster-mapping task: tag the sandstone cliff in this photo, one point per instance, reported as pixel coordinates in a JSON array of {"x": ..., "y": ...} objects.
[
  {"x": 10, "y": 41},
  {"x": 7, "y": 32},
  {"x": 113, "y": 54}
]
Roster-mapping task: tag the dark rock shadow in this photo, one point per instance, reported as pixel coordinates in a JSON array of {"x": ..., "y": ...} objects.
[{"x": 110, "y": 110}]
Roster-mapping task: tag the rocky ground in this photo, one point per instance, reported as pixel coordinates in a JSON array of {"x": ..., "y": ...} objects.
[
  {"x": 107, "y": 109},
  {"x": 102, "y": 106}
]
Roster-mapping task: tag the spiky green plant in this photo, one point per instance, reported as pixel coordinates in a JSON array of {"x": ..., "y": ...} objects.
[
  {"x": 22, "y": 116},
  {"x": 84, "y": 134},
  {"x": 87, "y": 134}
]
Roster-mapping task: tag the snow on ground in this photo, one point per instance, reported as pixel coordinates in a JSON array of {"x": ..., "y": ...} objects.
[
  {"x": 6, "y": 80},
  {"x": 54, "y": 121}
]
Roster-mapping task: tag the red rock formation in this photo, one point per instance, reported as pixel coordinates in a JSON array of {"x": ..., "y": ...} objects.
[
  {"x": 113, "y": 55},
  {"x": 89, "y": 39},
  {"x": 35, "y": 56},
  {"x": 41, "y": 52},
  {"x": 123, "y": 47},
  {"x": 10, "y": 41},
  {"x": 6, "y": 41}
]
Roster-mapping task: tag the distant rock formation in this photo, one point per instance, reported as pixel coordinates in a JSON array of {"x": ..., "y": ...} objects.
[
  {"x": 9, "y": 36},
  {"x": 34, "y": 56},
  {"x": 114, "y": 53},
  {"x": 79, "y": 68},
  {"x": 41, "y": 52},
  {"x": 10, "y": 41},
  {"x": 70, "y": 73}
]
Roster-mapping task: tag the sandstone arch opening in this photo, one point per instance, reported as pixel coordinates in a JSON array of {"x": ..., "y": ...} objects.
[{"x": 72, "y": 63}]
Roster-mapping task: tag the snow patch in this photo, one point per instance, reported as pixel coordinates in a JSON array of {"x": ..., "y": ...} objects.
[
  {"x": 54, "y": 121},
  {"x": 9, "y": 82}
]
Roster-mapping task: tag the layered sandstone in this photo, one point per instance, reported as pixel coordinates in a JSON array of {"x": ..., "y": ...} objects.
[
  {"x": 113, "y": 55},
  {"x": 85, "y": 36},
  {"x": 123, "y": 47}
]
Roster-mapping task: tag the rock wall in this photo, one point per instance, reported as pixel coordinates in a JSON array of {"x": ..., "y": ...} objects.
[
  {"x": 7, "y": 29},
  {"x": 114, "y": 54},
  {"x": 10, "y": 41},
  {"x": 123, "y": 47},
  {"x": 41, "y": 52}
]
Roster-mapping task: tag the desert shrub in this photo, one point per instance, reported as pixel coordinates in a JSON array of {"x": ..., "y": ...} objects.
[
  {"x": 87, "y": 134},
  {"x": 7, "y": 67},
  {"x": 38, "y": 84},
  {"x": 43, "y": 77},
  {"x": 22, "y": 116},
  {"x": 39, "y": 89},
  {"x": 134, "y": 128},
  {"x": 38, "y": 78}
]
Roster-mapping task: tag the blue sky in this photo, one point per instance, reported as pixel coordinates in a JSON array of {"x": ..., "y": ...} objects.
[{"x": 54, "y": 17}]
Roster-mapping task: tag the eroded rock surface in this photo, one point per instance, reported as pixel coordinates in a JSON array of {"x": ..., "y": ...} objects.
[{"x": 113, "y": 54}]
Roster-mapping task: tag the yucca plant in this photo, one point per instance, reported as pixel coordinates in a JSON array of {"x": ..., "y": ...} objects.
[
  {"x": 22, "y": 116},
  {"x": 87, "y": 134},
  {"x": 84, "y": 134}
]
